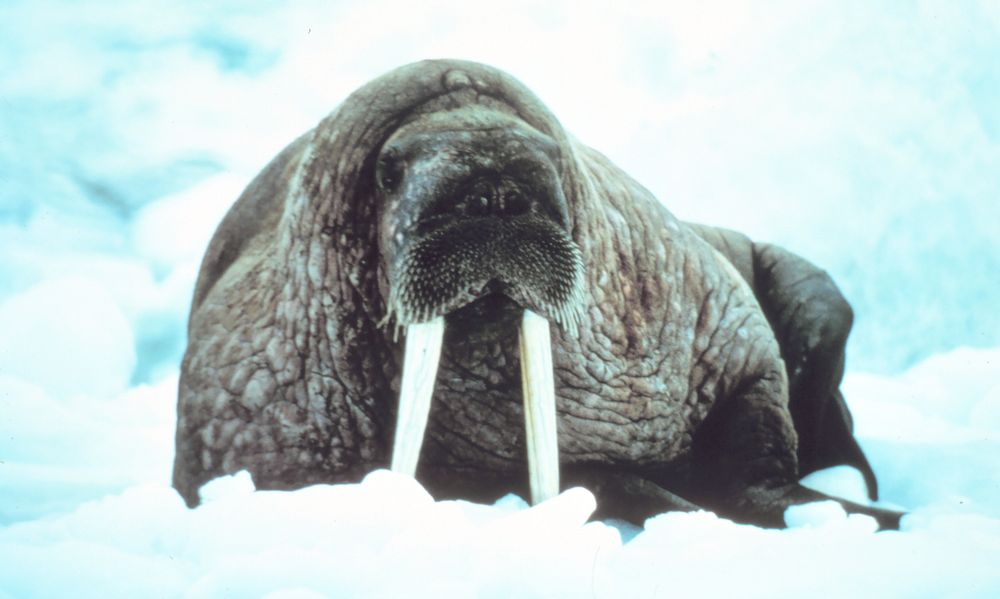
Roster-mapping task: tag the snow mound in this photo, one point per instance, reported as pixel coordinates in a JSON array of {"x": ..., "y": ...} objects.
[
  {"x": 176, "y": 229},
  {"x": 386, "y": 537},
  {"x": 929, "y": 431},
  {"x": 70, "y": 336},
  {"x": 58, "y": 453}
]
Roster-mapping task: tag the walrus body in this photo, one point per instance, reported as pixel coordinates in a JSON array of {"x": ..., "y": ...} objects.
[{"x": 692, "y": 366}]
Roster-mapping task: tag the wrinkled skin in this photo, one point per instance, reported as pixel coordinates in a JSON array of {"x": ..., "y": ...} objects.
[{"x": 703, "y": 370}]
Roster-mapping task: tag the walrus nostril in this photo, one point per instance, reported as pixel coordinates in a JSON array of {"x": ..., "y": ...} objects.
[
  {"x": 479, "y": 200},
  {"x": 513, "y": 203},
  {"x": 486, "y": 198}
]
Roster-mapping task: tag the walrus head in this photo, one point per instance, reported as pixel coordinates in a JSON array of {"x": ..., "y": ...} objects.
[
  {"x": 474, "y": 219},
  {"x": 473, "y": 206}
]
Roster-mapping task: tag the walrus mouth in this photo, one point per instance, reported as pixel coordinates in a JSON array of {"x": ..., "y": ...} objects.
[{"x": 527, "y": 258}]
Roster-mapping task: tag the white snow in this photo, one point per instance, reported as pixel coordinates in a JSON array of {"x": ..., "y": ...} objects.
[
  {"x": 176, "y": 228},
  {"x": 865, "y": 136},
  {"x": 70, "y": 336},
  {"x": 386, "y": 538}
]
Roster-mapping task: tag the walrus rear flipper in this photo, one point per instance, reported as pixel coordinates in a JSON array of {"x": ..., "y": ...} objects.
[
  {"x": 811, "y": 320},
  {"x": 835, "y": 433}
]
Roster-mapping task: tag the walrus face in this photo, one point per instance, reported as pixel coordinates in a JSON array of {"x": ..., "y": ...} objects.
[{"x": 473, "y": 213}]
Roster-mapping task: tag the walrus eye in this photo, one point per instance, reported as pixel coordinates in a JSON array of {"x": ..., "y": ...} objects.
[{"x": 389, "y": 170}]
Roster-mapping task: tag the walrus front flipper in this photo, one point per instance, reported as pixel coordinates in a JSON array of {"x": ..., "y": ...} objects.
[
  {"x": 745, "y": 467},
  {"x": 624, "y": 495},
  {"x": 811, "y": 320}
]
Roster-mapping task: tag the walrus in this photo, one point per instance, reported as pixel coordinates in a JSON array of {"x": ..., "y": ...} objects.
[{"x": 438, "y": 279}]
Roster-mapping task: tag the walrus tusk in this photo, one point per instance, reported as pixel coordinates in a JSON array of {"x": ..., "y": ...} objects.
[
  {"x": 420, "y": 364},
  {"x": 539, "y": 407}
]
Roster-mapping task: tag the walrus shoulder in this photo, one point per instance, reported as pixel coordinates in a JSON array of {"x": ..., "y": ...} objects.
[{"x": 256, "y": 211}]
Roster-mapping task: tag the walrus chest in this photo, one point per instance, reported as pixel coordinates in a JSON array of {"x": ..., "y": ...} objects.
[{"x": 610, "y": 410}]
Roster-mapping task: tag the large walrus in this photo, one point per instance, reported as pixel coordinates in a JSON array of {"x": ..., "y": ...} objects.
[{"x": 560, "y": 326}]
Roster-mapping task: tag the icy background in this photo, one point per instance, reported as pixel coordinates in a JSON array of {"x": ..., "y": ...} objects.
[{"x": 863, "y": 135}]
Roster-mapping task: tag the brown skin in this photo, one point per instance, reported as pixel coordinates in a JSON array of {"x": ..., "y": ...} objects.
[{"x": 673, "y": 394}]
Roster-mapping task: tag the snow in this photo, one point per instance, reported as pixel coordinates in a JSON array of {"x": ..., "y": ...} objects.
[
  {"x": 88, "y": 346},
  {"x": 864, "y": 136},
  {"x": 386, "y": 537}
]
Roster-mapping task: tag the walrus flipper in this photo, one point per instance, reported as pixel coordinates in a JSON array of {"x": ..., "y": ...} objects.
[
  {"x": 744, "y": 466},
  {"x": 811, "y": 320}
]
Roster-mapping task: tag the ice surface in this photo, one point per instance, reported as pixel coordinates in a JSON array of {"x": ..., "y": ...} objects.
[
  {"x": 842, "y": 481},
  {"x": 864, "y": 136},
  {"x": 930, "y": 419},
  {"x": 385, "y": 537}
]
